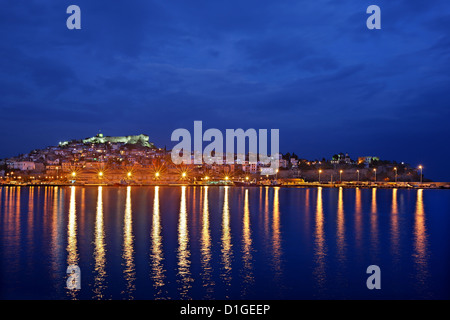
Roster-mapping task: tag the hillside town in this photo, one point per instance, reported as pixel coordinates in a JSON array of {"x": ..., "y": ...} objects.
[{"x": 129, "y": 160}]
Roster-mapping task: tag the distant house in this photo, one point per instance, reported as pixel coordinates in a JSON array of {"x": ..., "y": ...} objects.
[
  {"x": 22, "y": 165},
  {"x": 283, "y": 163},
  {"x": 367, "y": 160},
  {"x": 294, "y": 162},
  {"x": 341, "y": 158},
  {"x": 251, "y": 167},
  {"x": 53, "y": 162}
]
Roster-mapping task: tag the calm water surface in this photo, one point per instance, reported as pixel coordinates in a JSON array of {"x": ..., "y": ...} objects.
[{"x": 223, "y": 242}]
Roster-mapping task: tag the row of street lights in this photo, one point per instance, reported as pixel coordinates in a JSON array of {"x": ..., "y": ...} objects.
[
  {"x": 375, "y": 172},
  {"x": 184, "y": 175}
]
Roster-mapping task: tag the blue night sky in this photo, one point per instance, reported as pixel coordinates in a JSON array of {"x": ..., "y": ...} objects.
[{"x": 309, "y": 68}]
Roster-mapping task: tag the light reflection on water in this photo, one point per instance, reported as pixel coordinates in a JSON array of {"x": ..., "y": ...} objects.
[
  {"x": 374, "y": 224},
  {"x": 221, "y": 242},
  {"x": 207, "y": 271},
  {"x": 184, "y": 253},
  {"x": 157, "y": 255},
  {"x": 247, "y": 254},
  {"x": 128, "y": 249},
  {"x": 420, "y": 244},
  {"x": 72, "y": 250},
  {"x": 395, "y": 232},
  {"x": 341, "y": 227},
  {"x": 320, "y": 248},
  {"x": 99, "y": 250},
  {"x": 227, "y": 255}
]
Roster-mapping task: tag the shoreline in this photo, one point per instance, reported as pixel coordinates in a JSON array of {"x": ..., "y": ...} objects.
[{"x": 348, "y": 185}]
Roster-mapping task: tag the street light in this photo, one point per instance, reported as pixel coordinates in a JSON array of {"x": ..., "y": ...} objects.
[
  {"x": 320, "y": 171},
  {"x": 357, "y": 171},
  {"x": 74, "y": 174},
  {"x": 375, "y": 170},
  {"x": 100, "y": 174},
  {"x": 157, "y": 174},
  {"x": 340, "y": 175},
  {"x": 421, "y": 173},
  {"x": 183, "y": 175},
  {"x": 129, "y": 175},
  {"x": 395, "y": 169}
]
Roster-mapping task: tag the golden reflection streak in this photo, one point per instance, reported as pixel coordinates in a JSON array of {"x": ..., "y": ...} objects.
[
  {"x": 320, "y": 251},
  {"x": 374, "y": 221},
  {"x": 208, "y": 283},
  {"x": 341, "y": 226},
  {"x": 395, "y": 234},
  {"x": 45, "y": 198},
  {"x": 8, "y": 227},
  {"x": 157, "y": 257},
  {"x": 99, "y": 250},
  {"x": 420, "y": 243},
  {"x": 247, "y": 246},
  {"x": 7, "y": 205},
  {"x": 226, "y": 241},
  {"x": 12, "y": 211},
  {"x": 266, "y": 212},
  {"x": 184, "y": 263},
  {"x": 17, "y": 215},
  {"x": 128, "y": 247},
  {"x": 30, "y": 230},
  {"x": 276, "y": 240},
  {"x": 47, "y": 217},
  {"x": 81, "y": 212},
  {"x": 260, "y": 201},
  {"x": 358, "y": 218},
  {"x": 1, "y": 199},
  {"x": 307, "y": 212},
  {"x": 57, "y": 234},
  {"x": 72, "y": 257}
]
